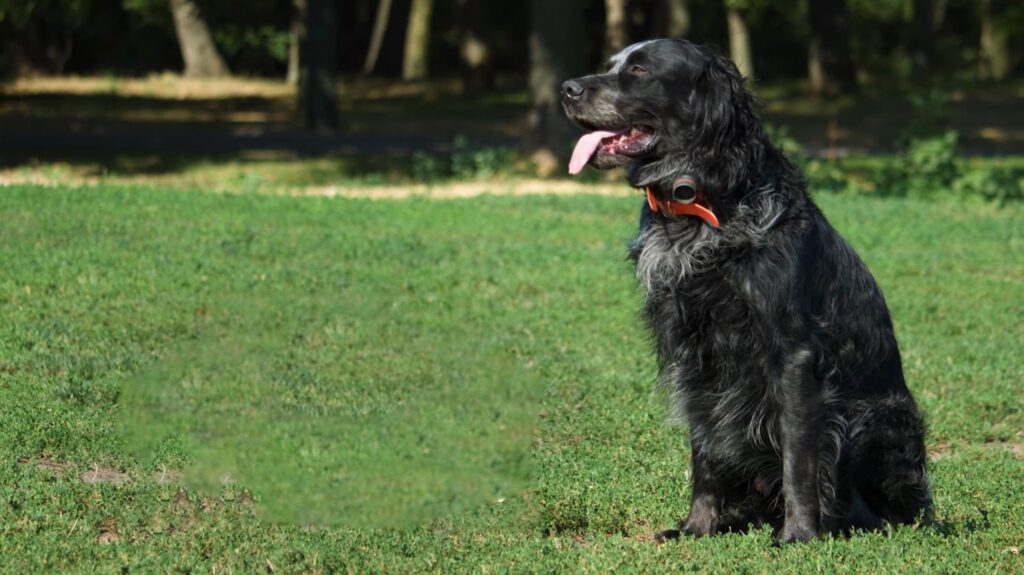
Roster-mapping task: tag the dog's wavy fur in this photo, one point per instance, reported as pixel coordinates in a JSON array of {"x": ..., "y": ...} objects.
[{"x": 772, "y": 337}]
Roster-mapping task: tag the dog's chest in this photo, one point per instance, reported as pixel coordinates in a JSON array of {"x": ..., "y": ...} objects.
[
  {"x": 668, "y": 257},
  {"x": 713, "y": 342}
]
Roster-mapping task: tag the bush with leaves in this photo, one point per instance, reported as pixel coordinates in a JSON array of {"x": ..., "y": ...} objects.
[{"x": 932, "y": 168}]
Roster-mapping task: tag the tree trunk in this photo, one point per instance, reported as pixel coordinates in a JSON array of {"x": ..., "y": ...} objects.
[
  {"x": 417, "y": 40},
  {"x": 921, "y": 53},
  {"x": 994, "y": 59},
  {"x": 42, "y": 48},
  {"x": 555, "y": 37},
  {"x": 674, "y": 20},
  {"x": 614, "y": 27},
  {"x": 197, "y": 48},
  {"x": 295, "y": 33},
  {"x": 317, "y": 99},
  {"x": 939, "y": 14},
  {"x": 474, "y": 51},
  {"x": 380, "y": 26},
  {"x": 830, "y": 68},
  {"x": 739, "y": 43}
]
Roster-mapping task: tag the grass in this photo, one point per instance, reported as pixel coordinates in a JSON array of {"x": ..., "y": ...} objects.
[{"x": 385, "y": 352}]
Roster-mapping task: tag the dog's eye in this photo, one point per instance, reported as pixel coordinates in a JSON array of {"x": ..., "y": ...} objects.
[{"x": 635, "y": 70}]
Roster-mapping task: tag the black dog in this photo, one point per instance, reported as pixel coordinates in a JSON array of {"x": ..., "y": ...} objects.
[{"x": 771, "y": 335}]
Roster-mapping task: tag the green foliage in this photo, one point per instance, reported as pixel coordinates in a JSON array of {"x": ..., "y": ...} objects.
[
  {"x": 19, "y": 13},
  {"x": 469, "y": 160},
  {"x": 932, "y": 168},
  {"x": 989, "y": 184},
  {"x": 466, "y": 161},
  {"x": 928, "y": 115},
  {"x": 428, "y": 168},
  {"x": 149, "y": 12},
  {"x": 832, "y": 177},
  {"x": 780, "y": 136},
  {"x": 931, "y": 165},
  {"x": 259, "y": 41},
  {"x": 251, "y": 35}
]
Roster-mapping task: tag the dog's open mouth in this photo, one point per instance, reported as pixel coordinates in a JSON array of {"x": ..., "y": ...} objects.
[{"x": 630, "y": 143}]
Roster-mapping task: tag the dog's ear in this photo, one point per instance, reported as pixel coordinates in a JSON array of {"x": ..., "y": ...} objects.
[
  {"x": 723, "y": 120},
  {"x": 718, "y": 99}
]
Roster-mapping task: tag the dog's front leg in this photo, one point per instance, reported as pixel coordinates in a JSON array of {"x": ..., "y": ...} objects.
[
  {"x": 705, "y": 498},
  {"x": 801, "y": 428}
]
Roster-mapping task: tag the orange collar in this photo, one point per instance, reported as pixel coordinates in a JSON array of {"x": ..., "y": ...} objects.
[{"x": 696, "y": 208}]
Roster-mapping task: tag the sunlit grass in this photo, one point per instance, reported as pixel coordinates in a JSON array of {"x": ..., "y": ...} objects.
[{"x": 331, "y": 307}]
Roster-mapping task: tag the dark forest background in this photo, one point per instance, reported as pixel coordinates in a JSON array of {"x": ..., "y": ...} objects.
[
  {"x": 328, "y": 50},
  {"x": 968, "y": 39}
]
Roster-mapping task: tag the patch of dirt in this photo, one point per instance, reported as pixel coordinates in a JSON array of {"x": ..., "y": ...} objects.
[
  {"x": 108, "y": 532},
  {"x": 1016, "y": 448},
  {"x": 46, "y": 464},
  {"x": 96, "y": 474},
  {"x": 942, "y": 449},
  {"x": 165, "y": 476},
  {"x": 104, "y": 475},
  {"x": 642, "y": 533}
]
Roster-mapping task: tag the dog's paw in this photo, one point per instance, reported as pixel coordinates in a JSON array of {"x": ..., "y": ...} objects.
[
  {"x": 700, "y": 526},
  {"x": 666, "y": 535},
  {"x": 795, "y": 533}
]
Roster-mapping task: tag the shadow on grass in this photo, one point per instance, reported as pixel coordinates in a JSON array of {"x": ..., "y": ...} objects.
[
  {"x": 166, "y": 128},
  {"x": 960, "y": 527},
  {"x": 101, "y": 134}
]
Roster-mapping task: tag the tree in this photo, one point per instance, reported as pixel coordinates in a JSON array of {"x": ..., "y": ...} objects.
[
  {"x": 921, "y": 50},
  {"x": 317, "y": 99},
  {"x": 830, "y": 67},
  {"x": 474, "y": 45},
  {"x": 294, "y": 38},
  {"x": 202, "y": 60},
  {"x": 380, "y": 26},
  {"x": 556, "y": 35},
  {"x": 674, "y": 20},
  {"x": 614, "y": 27},
  {"x": 994, "y": 60},
  {"x": 38, "y": 36},
  {"x": 739, "y": 37},
  {"x": 417, "y": 40}
]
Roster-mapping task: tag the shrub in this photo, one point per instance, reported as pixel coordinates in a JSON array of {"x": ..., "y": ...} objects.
[
  {"x": 931, "y": 165},
  {"x": 932, "y": 168},
  {"x": 466, "y": 161},
  {"x": 990, "y": 184},
  {"x": 470, "y": 161}
]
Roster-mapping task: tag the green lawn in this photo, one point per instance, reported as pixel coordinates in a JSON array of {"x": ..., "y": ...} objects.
[{"x": 434, "y": 385}]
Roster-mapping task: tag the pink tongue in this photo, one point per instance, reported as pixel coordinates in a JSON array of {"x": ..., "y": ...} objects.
[{"x": 585, "y": 148}]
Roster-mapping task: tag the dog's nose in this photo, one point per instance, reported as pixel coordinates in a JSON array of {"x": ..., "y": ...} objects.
[{"x": 572, "y": 90}]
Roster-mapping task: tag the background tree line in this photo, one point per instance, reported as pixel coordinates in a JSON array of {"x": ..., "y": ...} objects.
[
  {"x": 482, "y": 39},
  {"x": 834, "y": 44}
]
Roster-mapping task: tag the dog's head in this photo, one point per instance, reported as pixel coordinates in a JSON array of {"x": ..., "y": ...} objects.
[{"x": 663, "y": 105}]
